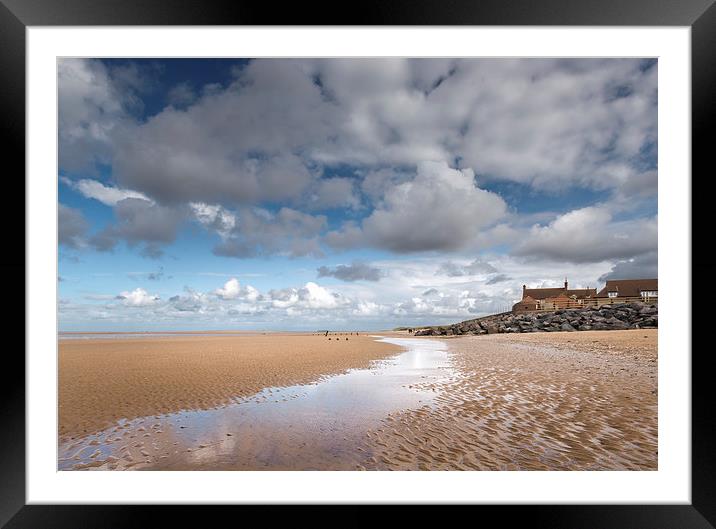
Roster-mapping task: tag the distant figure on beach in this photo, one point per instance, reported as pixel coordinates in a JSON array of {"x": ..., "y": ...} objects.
[{"x": 326, "y": 333}]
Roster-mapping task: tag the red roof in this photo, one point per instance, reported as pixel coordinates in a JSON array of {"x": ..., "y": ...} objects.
[
  {"x": 544, "y": 293},
  {"x": 629, "y": 287}
]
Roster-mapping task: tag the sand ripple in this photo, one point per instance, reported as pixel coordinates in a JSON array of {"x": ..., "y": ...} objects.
[
  {"x": 571, "y": 401},
  {"x": 102, "y": 382}
]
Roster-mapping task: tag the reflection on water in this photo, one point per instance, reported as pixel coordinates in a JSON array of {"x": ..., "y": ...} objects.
[{"x": 319, "y": 426}]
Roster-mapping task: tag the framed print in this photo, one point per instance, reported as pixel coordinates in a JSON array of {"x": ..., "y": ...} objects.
[{"x": 268, "y": 261}]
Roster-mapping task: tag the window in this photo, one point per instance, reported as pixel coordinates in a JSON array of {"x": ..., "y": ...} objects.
[
  {"x": 649, "y": 293},
  {"x": 612, "y": 294}
]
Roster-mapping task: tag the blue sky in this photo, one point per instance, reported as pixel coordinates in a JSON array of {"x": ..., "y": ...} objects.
[{"x": 346, "y": 193}]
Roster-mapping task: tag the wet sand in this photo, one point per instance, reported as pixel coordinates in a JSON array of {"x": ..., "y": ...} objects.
[
  {"x": 538, "y": 401},
  {"x": 104, "y": 381},
  {"x": 542, "y": 401},
  {"x": 318, "y": 426}
]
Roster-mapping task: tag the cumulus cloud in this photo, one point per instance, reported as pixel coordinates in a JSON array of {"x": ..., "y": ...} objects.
[
  {"x": 140, "y": 221},
  {"x": 401, "y": 155},
  {"x": 589, "y": 235},
  {"x": 137, "y": 298},
  {"x": 412, "y": 132},
  {"x": 455, "y": 304},
  {"x": 545, "y": 122},
  {"x": 230, "y": 290},
  {"x": 357, "y": 271},
  {"x": 310, "y": 296},
  {"x": 72, "y": 226},
  {"x": 376, "y": 183},
  {"x": 91, "y": 111},
  {"x": 457, "y": 208},
  {"x": 232, "y": 145},
  {"x": 191, "y": 301},
  {"x": 258, "y": 231},
  {"x": 405, "y": 300},
  {"x": 551, "y": 123},
  {"x": 316, "y": 297},
  {"x": 214, "y": 217}
]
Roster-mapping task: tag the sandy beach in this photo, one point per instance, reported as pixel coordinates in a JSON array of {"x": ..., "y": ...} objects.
[
  {"x": 103, "y": 381},
  {"x": 539, "y": 401}
]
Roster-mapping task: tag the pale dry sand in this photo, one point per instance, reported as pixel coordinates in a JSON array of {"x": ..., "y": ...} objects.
[
  {"x": 539, "y": 401},
  {"x": 103, "y": 381}
]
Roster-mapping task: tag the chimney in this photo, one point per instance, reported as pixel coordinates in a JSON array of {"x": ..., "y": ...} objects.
[
  {"x": 565, "y": 283},
  {"x": 524, "y": 287}
]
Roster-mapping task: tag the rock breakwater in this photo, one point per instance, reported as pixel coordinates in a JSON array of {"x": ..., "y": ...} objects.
[{"x": 607, "y": 317}]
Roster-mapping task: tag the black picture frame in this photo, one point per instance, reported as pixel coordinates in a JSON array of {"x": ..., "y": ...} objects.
[{"x": 17, "y": 15}]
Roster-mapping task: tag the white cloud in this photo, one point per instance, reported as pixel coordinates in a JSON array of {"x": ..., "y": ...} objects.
[
  {"x": 368, "y": 309},
  {"x": 414, "y": 295},
  {"x": 233, "y": 290},
  {"x": 554, "y": 123},
  {"x": 589, "y": 235},
  {"x": 314, "y": 296},
  {"x": 233, "y": 145},
  {"x": 230, "y": 290},
  {"x": 440, "y": 209},
  {"x": 391, "y": 147},
  {"x": 251, "y": 294},
  {"x": 106, "y": 194},
  {"x": 310, "y": 296},
  {"x": 137, "y": 298},
  {"x": 399, "y": 125},
  {"x": 213, "y": 216},
  {"x": 546, "y": 122},
  {"x": 91, "y": 112}
]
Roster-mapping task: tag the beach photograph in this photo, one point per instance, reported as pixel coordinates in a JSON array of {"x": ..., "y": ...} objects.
[{"x": 357, "y": 264}]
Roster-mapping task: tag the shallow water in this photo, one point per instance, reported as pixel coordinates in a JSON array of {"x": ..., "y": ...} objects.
[{"x": 320, "y": 426}]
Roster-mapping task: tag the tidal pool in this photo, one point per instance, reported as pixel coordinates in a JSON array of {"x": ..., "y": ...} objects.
[{"x": 319, "y": 426}]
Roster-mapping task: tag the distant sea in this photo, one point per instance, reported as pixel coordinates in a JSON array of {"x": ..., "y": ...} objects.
[{"x": 122, "y": 335}]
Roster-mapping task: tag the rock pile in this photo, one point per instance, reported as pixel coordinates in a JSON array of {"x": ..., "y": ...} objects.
[{"x": 604, "y": 318}]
